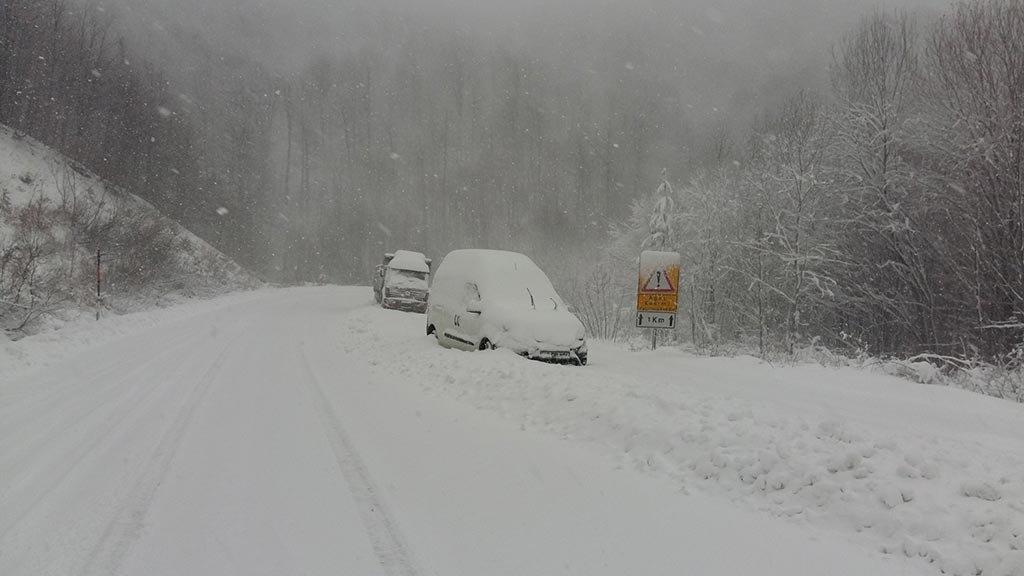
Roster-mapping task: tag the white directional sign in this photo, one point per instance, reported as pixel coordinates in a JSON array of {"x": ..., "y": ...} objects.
[{"x": 655, "y": 320}]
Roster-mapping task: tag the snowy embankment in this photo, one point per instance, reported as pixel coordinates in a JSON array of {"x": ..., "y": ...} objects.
[
  {"x": 931, "y": 473},
  {"x": 55, "y": 214}
]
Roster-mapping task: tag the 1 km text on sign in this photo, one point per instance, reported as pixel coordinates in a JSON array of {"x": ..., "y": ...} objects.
[
  {"x": 655, "y": 320},
  {"x": 657, "y": 297}
]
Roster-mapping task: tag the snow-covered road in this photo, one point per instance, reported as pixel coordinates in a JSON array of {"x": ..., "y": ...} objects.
[{"x": 304, "y": 432}]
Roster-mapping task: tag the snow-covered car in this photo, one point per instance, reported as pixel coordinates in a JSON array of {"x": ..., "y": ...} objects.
[
  {"x": 402, "y": 281},
  {"x": 485, "y": 299}
]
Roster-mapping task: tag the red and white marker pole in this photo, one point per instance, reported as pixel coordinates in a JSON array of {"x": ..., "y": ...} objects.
[{"x": 98, "y": 283}]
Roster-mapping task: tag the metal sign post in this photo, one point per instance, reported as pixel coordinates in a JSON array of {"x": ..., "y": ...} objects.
[
  {"x": 657, "y": 294},
  {"x": 100, "y": 255},
  {"x": 99, "y": 298}
]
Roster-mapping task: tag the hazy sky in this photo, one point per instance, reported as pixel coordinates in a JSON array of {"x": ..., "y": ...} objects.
[
  {"x": 743, "y": 27},
  {"x": 713, "y": 49}
]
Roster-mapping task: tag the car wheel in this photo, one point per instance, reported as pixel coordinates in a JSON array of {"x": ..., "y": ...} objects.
[
  {"x": 486, "y": 344},
  {"x": 582, "y": 359},
  {"x": 431, "y": 330}
]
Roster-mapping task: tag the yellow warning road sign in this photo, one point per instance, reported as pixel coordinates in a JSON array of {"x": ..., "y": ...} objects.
[
  {"x": 658, "y": 283},
  {"x": 657, "y": 302}
]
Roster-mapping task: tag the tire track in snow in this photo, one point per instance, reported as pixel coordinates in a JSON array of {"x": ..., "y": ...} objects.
[
  {"x": 30, "y": 436},
  {"x": 91, "y": 440},
  {"x": 389, "y": 545},
  {"x": 127, "y": 523},
  {"x": 18, "y": 408}
]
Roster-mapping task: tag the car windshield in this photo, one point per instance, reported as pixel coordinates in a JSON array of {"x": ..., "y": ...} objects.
[
  {"x": 520, "y": 284},
  {"x": 408, "y": 279}
]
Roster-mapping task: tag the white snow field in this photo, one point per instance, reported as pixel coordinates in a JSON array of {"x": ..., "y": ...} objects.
[{"x": 303, "y": 431}]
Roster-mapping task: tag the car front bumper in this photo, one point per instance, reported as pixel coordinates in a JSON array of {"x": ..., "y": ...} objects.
[
  {"x": 576, "y": 356},
  {"x": 405, "y": 305}
]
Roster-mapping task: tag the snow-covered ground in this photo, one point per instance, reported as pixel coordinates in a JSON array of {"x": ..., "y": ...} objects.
[
  {"x": 79, "y": 332},
  {"x": 304, "y": 431}
]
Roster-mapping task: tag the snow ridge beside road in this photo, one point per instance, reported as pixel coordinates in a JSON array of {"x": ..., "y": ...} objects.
[{"x": 930, "y": 473}]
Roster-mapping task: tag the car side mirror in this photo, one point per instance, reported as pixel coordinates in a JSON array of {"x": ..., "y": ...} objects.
[{"x": 475, "y": 307}]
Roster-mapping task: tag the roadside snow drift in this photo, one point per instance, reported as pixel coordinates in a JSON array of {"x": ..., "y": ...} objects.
[{"x": 930, "y": 473}]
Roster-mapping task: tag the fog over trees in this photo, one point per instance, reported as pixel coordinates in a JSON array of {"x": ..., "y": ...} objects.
[
  {"x": 844, "y": 173},
  {"x": 335, "y": 132}
]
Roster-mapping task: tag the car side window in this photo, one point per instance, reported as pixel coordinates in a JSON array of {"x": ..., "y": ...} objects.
[
  {"x": 471, "y": 293},
  {"x": 443, "y": 292}
]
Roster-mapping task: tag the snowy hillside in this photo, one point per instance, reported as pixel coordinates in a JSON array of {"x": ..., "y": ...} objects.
[{"x": 55, "y": 214}]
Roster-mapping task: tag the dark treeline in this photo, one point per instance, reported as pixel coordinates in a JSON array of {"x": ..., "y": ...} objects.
[
  {"x": 886, "y": 216},
  {"x": 416, "y": 136},
  {"x": 68, "y": 80},
  {"x": 424, "y": 139}
]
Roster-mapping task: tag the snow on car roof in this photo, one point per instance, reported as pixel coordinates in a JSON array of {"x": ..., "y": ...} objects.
[
  {"x": 409, "y": 260},
  {"x": 505, "y": 275}
]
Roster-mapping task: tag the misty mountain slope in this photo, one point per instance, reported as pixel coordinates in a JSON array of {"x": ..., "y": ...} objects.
[
  {"x": 450, "y": 123},
  {"x": 55, "y": 213}
]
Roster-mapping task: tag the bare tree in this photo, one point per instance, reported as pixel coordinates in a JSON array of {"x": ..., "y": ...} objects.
[
  {"x": 877, "y": 75},
  {"x": 790, "y": 176},
  {"x": 976, "y": 120}
]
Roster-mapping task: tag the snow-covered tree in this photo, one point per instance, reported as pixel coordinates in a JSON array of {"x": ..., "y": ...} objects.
[
  {"x": 976, "y": 133},
  {"x": 789, "y": 174},
  {"x": 662, "y": 215}
]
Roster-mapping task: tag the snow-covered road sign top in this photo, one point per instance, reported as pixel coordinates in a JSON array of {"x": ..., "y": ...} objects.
[{"x": 658, "y": 282}]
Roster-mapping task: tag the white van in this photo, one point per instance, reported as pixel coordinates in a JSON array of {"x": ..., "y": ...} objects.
[
  {"x": 402, "y": 281},
  {"x": 484, "y": 299}
]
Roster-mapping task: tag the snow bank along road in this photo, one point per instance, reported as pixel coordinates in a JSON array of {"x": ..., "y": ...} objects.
[{"x": 304, "y": 432}]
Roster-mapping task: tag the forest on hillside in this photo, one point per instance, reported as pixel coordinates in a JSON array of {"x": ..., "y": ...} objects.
[{"x": 69, "y": 80}]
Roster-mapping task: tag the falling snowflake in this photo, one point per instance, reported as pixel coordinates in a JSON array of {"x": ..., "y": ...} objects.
[{"x": 222, "y": 211}]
